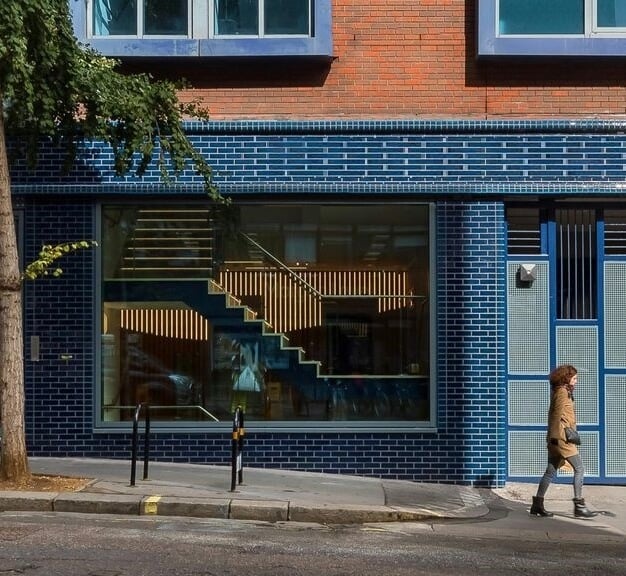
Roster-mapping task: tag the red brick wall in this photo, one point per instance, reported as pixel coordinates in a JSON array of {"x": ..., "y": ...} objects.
[{"x": 409, "y": 58}]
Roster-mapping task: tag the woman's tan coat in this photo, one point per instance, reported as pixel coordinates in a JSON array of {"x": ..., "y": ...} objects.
[{"x": 560, "y": 416}]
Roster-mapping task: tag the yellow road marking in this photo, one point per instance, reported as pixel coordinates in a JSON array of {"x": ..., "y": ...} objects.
[{"x": 150, "y": 504}]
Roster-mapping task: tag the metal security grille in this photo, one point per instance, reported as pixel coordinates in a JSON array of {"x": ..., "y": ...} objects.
[{"x": 576, "y": 264}]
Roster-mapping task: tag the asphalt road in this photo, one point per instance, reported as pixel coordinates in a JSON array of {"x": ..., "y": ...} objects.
[{"x": 507, "y": 541}]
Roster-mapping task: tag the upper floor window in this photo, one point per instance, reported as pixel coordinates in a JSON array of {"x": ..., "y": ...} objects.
[
  {"x": 211, "y": 28},
  {"x": 262, "y": 17},
  {"x": 255, "y": 18},
  {"x": 140, "y": 17},
  {"x": 552, "y": 27}
]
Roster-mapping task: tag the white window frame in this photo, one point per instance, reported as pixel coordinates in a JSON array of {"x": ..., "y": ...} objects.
[{"x": 591, "y": 22}]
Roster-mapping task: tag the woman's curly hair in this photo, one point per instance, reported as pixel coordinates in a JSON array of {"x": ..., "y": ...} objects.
[{"x": 562, "y": 375}]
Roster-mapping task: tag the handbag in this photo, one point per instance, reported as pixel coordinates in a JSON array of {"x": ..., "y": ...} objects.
[{"x": 572, "y": 436}]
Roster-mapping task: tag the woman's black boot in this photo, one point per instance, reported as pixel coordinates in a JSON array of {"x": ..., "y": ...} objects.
[
  {"x": 581, "y": 510},
  {"x": 537, "y": 508}
]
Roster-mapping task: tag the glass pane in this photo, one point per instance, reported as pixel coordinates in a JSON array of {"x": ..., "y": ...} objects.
[
  {"x": 234, "y": 17},
  {"x": 316, "y": 312},
  {"x": 541, "y": 17},
  {"x": 115, "y": 18},
  {"x": 166, "y": 17},
  {"x": 287, "y": 16},
  {"x": 611, "y": 13}
]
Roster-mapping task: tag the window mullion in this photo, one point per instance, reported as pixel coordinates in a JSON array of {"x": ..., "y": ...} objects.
[
  {"x": 202, "y": 16},
  {"x": 140, "y": 18},
  {"x": 261, "y": 18}
]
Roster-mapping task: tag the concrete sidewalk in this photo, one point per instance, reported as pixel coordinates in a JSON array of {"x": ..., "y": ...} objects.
[{"x": 266, "y": 494}]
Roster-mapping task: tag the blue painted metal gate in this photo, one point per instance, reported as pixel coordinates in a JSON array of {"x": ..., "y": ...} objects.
[{"x": 566, "y": 303}]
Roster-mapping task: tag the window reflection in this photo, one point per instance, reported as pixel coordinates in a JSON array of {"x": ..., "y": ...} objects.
[
  {"x": 317, "y": 312},
  {"x": 541, "y": 17},
  {"x": 262, "y": 17},
  {"x": 121, "y": 17},
  {"x": 115, "y": 17}
]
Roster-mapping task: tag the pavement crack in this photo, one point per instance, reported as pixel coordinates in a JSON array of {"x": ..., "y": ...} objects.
[{"x": 19, "y": 569}]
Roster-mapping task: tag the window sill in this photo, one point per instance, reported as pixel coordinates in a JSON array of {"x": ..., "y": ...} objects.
[
  {"x": 243, "y": 47},
  {"x": 550, "y": 46}
]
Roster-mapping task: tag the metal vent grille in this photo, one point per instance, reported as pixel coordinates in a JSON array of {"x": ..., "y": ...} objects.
[
  {"x": 578, "y": 345},
  {"x": 615, "y": 431},
  {"x": 615, "y": 314},
  {"x": 523, "y": 231},
  {"x": 528, "y": 322},
  {"x": 615, "y": 232},
  {"x": 529, "y": 401}
]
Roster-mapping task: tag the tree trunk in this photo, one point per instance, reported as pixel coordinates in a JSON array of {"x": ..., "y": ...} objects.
[{"x": 13, "y": 459}]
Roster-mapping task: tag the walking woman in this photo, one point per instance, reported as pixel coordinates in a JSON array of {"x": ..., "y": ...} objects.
[{"x": 562, "y": 417}]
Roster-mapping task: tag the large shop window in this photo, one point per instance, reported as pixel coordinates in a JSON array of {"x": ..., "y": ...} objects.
[
  {"x": 205, "y": 27},
  {"x": 552, "y": 27},
  {"x": 305, "y": 313}
]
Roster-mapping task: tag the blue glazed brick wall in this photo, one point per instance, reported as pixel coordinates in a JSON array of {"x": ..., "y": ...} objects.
[
  {"x": 440, "y": 156},
  {"x": 468, "y": 446},
  {"x": 60, "y": 311},
  {"x": 471, "y": 361},
  {"x": 415, "y": 161}
]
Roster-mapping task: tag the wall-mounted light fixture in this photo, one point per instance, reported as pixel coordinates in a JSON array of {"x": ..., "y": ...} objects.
[{"x": 527, "y": 273}]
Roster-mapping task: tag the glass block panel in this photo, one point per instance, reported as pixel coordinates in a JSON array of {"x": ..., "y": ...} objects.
[
  {"x": 284, "y": 17},
  {"x": 589, "y": 452},
  {"x": 615, "y": 314},
  {"x": 615, "y": 431},
  {"x": 166, "y": 17},
  {"x": 527, "y": 453},
  {"x": 541, "y": 17},
  {"x": 611, "y": 13},
  {"x": 578, "y": 345},
  {"x": 529, "y": 401},
  {"x": 528, "y": 321}
]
